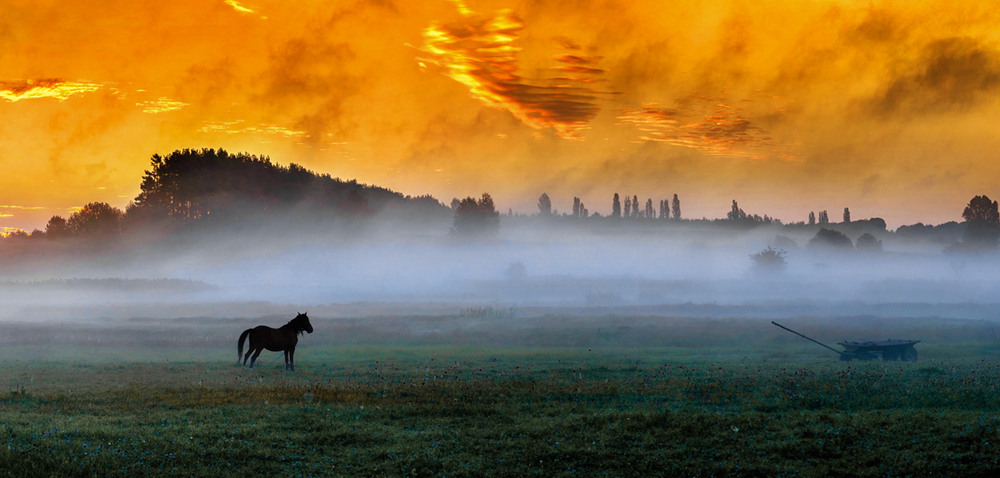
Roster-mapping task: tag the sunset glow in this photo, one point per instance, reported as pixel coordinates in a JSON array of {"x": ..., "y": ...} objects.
[{"x": 889, "y": 108}]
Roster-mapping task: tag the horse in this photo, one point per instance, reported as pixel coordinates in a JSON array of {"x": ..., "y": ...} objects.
[{"x": 282, "y": 339}]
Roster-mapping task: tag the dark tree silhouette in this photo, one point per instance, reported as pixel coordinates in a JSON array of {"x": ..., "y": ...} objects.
[
  {"x": 17, "y": 235},
  {"x": 677, "y": 208},
  {"x": 96, "y": 219},
  {"x": 628, "y": 206},
  {"x": 476, "y": 219},
  {"x": 868, "y": 243},
  {"x": 516, "y": 272},
  {"x": 831, "y": 239},
  {"x": 735, "y": 213},
  {"x": 56, "y": 228},
  {"x": 544, "y": 205},
  {"x": 824, "y": 218},
  {"x": 198, "y": 184},
  {"x": 982, "y": 224},
  {"x": 616, "y": 207},
  {"x": 635, "y": 205},
  {"x": 847, "y": 216},
  {"x": 812, "y": 218}
]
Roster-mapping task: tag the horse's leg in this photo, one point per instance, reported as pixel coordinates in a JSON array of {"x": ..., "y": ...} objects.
[
  {"x": 286, "y": 358},
  {"x": 291, "y": 358},
  {"x": 256, "y": 353},
  {"x": 247, "y": 357}
]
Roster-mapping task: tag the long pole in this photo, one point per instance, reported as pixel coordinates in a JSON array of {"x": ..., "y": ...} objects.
[{"x": 807, "y": 338}]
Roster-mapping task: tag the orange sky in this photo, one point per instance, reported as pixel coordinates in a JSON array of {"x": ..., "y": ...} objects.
[{"x": 889, "y": 108}]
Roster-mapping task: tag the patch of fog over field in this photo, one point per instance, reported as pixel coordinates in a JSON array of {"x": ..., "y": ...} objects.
[{"x": 699, "y": 269}]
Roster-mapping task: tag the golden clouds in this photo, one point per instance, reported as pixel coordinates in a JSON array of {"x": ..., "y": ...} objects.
[
  {"x": 18, "y": 212},
  {"x": 161, "y": 105},
  {"x": 62, "y": 90},
  {"x": 239, "y": 127},
  {"x": 8, "y": 211},
  {"x": 485, "y": 53},
  {"x": 44, "y": 88},
  {"x": 239, "y": 8}
]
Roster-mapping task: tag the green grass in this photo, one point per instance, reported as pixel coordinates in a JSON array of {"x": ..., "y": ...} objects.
[{"x": 438, "y": 410}]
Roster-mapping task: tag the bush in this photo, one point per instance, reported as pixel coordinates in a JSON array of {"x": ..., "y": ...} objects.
[{"x": 769, "y": 260}]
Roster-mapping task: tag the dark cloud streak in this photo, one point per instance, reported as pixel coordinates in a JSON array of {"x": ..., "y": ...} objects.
[
  {"x": 952, "y": 75},
  {"x": 705, "y": 125}
]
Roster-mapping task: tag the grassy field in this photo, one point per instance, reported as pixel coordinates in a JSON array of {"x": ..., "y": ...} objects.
[{"x": 764, "y": 403}]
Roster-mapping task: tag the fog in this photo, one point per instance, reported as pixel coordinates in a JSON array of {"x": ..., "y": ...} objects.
[{"x": 696, "y": 269}]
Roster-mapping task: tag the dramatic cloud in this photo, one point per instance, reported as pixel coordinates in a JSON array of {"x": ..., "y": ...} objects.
[{"x": 482, "y": 53}]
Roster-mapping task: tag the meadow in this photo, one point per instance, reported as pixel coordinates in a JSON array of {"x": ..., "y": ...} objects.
[{"x": 459, "y": 396}]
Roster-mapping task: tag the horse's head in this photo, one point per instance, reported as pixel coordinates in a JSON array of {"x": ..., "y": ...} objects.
[{"x": 302, "y": 323}]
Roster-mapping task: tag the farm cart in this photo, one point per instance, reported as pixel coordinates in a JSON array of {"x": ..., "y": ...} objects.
[{"x": 869, "y": 350}]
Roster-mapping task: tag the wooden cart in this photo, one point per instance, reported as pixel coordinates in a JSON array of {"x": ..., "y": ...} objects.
[
  {"x": 883, "y": 349},
  {"x": 869, "y": 350}
]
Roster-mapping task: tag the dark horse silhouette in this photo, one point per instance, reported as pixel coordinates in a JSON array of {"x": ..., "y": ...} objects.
[{"x": 282, "y": 339}]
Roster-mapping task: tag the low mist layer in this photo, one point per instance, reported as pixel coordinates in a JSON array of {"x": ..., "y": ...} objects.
[{"x": 528, "y": 264}]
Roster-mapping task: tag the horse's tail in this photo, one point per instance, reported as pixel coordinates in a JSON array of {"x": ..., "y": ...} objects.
[{"x": 239, "y": 345}]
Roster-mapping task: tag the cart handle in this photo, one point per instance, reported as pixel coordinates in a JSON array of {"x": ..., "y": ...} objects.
[{"x": 807, "y": 338}]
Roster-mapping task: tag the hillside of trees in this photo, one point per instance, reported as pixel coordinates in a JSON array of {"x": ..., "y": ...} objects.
[{"x": 205, "y": 189}]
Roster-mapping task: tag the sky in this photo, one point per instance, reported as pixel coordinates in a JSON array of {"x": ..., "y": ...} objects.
[{"x": 889, "y": 108}]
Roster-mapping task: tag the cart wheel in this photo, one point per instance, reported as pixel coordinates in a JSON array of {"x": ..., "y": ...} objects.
[{"x": 909, "y": 354}]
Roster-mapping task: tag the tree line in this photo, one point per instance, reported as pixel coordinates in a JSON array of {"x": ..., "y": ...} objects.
[
  {"x": 215, "y": 187},
  {"x": 980, "y": 230},
  {"x": 667, "y": 209}
]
